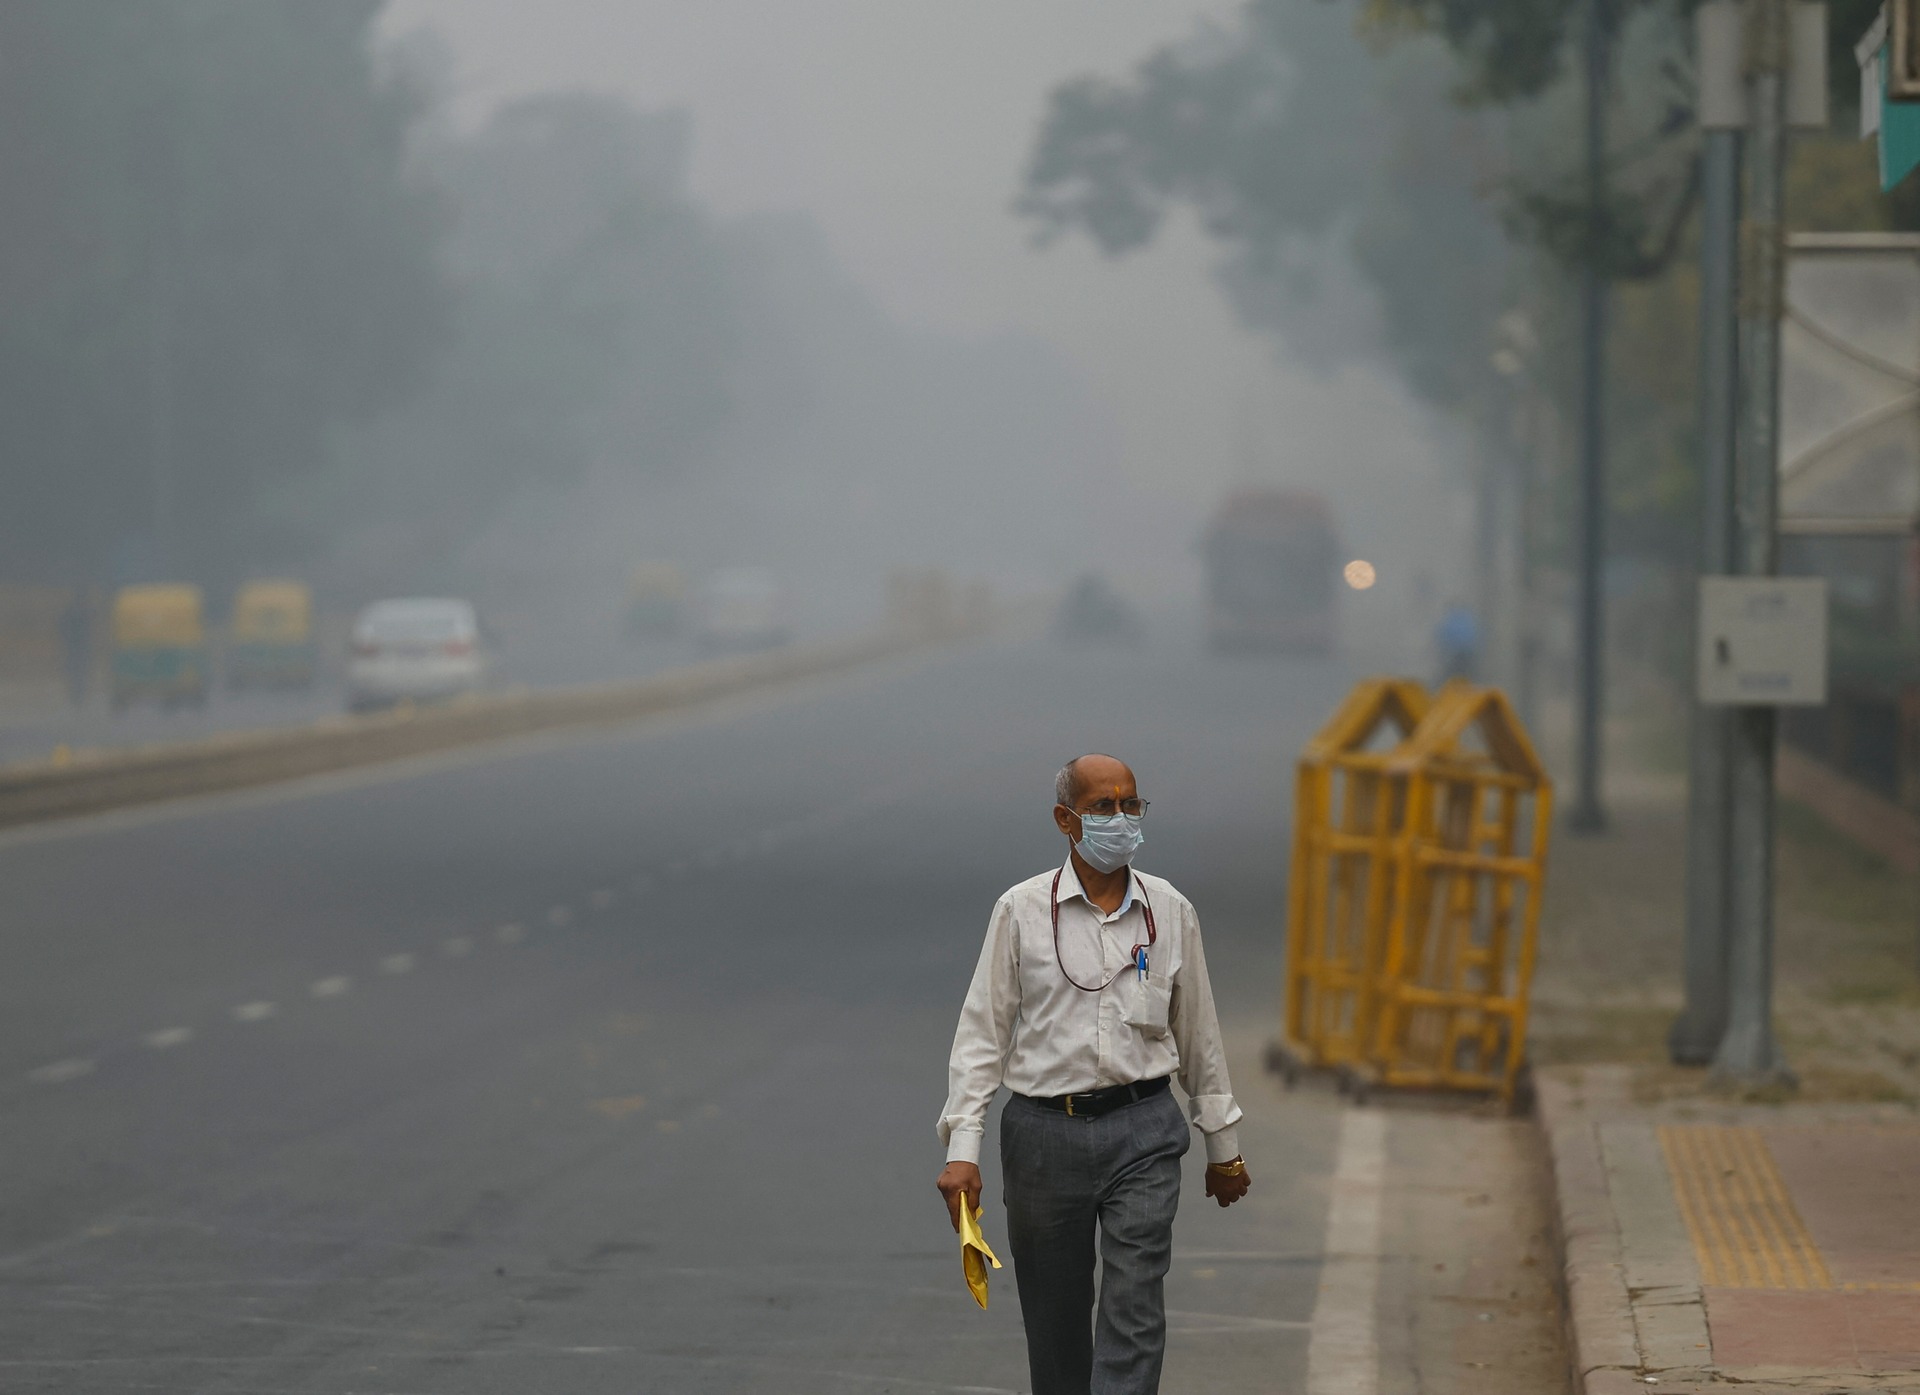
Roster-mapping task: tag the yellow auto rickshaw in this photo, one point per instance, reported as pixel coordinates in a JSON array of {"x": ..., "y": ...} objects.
[
  {"x": 159, "y": 645},
  {"x": 271, "y": 642}
]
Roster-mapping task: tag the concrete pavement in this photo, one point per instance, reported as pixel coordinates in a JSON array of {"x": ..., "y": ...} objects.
[
  {"x": 1717, "y": 1244},
  {"x": 1710, "y": 1242},
  {"x": 611, "y": 1063}
]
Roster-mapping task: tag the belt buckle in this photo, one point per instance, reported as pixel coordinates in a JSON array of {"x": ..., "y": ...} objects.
[{"x": 1069, "y": 1100}]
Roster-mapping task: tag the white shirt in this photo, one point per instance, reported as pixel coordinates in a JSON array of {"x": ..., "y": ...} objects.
[{"x": 1025, "y": 1026}]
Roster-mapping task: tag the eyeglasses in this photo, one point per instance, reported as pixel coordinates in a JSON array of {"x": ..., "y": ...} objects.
[{"x": 1107, "y": 808}]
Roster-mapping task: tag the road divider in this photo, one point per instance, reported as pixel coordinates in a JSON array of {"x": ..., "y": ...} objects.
[{"x": 88, "y": 782}]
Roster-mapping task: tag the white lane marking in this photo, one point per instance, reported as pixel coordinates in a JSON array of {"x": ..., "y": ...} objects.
[
  {"x": 396, "y": 964},
  {"x": 168, "y": 1037},
  {"x": 510, "y": 934},
  {"x": 560, "y": 916},
  {"x": 1343, "y": 1340},
  {"x": 254, "y": 1012},
  {"x": 59, "y": 1072},
  {"x": 601, "y": 899},
  {"x": 456, "y": 946},
  {"x": 331, "y": 987}
]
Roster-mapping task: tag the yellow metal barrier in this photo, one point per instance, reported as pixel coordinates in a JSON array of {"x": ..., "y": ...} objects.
[
  {"x": 1452, "y": 1009},
  {"x": 1347, "y": 813},
  {"x": 1414, "y": 908}
]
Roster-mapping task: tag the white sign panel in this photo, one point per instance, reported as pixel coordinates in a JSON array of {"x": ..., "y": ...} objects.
[
  {"x": 1850, "y": 384},
  {"x": 1763, "y": 641}
]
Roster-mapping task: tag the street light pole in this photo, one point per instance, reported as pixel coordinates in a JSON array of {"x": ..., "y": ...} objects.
[
  {"x": 1696, "y": 1033},
  {"x": 1749, "y": 1054},
  {"x": 1588, "y": 815},
  {"x": 162, "y": 380}
]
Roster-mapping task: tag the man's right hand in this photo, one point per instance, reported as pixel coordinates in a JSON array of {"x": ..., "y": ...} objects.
[{"x": 959, "y": 1179}]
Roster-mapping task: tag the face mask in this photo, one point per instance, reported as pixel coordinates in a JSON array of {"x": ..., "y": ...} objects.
[{"x": 1109, "y": 841}]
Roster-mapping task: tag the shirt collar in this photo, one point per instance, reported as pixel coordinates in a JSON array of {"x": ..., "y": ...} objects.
[{"x": 1070, "y": 887}]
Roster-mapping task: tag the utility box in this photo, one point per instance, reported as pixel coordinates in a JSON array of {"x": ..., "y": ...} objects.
[{"x": 1763, "y": 641}]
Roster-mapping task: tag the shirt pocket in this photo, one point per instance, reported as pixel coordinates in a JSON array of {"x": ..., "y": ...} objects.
[{"x": 1148, "y": 1004}]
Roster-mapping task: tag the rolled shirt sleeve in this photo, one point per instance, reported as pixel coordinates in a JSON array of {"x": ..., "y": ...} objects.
[
  {"x": 1203, "y": 1058},
  {"x": 983, "y": 1037}
]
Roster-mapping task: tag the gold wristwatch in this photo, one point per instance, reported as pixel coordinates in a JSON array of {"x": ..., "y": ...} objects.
[{"x": 1229, "y": 1169}]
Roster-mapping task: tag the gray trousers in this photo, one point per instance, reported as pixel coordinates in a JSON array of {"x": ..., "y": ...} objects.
[{"x": 1064, "y": 1178}]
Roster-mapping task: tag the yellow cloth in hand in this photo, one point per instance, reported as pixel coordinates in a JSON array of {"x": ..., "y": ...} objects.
[{"x": 975, "y": 1254}]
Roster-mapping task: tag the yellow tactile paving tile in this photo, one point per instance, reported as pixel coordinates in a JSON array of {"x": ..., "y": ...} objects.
[{"x": 1745, "y": 1230}]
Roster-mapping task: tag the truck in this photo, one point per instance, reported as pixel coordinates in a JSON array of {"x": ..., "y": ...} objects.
[{"x": 1273, "y": 572}]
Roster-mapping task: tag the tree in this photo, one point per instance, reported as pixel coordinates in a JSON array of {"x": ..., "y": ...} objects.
[
  {"x": 1289, "y": 137},
  {"x": 596, "y": 324},
  {"x": 214, "y": 257}
]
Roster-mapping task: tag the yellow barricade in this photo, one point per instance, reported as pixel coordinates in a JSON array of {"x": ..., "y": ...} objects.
[
  {"x": 1414, "y": 907},
  {"x": 1347, "y": 813},
  {"x": 1461, "y": 943}
]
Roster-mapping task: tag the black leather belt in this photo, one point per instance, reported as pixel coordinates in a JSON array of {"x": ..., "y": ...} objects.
[{"x": 1094, "y": 1103}]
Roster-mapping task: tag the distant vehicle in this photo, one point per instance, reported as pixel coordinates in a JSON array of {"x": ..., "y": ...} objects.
[
  {"x": 1094, "y": 613},
  {"x": 159, "y": 646},
  {"x": 656, "y": 601},
  {"x": 1273, "y": 571},
  {"x": 271, "y": 641},
  {"x": 741, "y": 608},
  {"x": 414, "y": 650}
]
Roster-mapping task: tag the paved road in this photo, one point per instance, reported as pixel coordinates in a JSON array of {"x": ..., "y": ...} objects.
[{"x": 612, "y": 1064}]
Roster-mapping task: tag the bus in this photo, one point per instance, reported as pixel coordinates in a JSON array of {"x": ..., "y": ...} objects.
[{"x": 1273, "y": 572}]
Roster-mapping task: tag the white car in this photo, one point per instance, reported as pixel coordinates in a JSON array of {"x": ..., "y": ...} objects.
[
  {"x": 742, "y": 608},
  {"x": 414, "y": 650}
]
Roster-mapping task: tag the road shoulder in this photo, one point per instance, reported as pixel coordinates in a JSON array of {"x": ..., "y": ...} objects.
[{"x": 1429, "y": 1221}]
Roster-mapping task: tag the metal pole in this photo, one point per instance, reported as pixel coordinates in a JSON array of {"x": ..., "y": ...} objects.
[
  {"x": 1698, "y": 1030},
  {"x": 1486, "y": 530},
  {"x": 1525, "y": 696},
  {"x": 1748, "y": 1054},
  {"x": 1509, "y": 538},
  {"x": 1588, "y": 816},
  {"x": 160, "y": 398}
]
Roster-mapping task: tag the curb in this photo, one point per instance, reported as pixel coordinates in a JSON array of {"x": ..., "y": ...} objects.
[
  {"x": 95, "y": 783},
  {"x": 1603, "y": 1350}
]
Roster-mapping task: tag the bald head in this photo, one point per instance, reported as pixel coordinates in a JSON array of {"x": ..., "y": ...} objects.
[{"x": 1107, "y": 774}]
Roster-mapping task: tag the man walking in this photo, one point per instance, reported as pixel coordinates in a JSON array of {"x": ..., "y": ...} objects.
[{"x": 1090, "y": 995}]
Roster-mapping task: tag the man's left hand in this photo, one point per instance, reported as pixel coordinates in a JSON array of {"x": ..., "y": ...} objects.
[{"x": 1227, "y": 1187}]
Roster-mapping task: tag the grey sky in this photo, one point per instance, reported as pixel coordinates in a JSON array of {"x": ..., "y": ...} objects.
[{"x": 901, "y": 127}]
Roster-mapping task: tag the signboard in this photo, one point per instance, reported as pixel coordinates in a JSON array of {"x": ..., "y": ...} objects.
[
  {"x": 1763, "y": 641},
  {"x": 1901, "y": 57},
  {"x": 1888, "y": 109},
  {"x": 1850, "y": 385}
]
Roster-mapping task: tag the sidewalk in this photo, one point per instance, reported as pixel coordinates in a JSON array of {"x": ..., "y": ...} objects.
[
  {"x": 1708, "y": 1246},
  {"x": 1711, "y": 1242}
]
